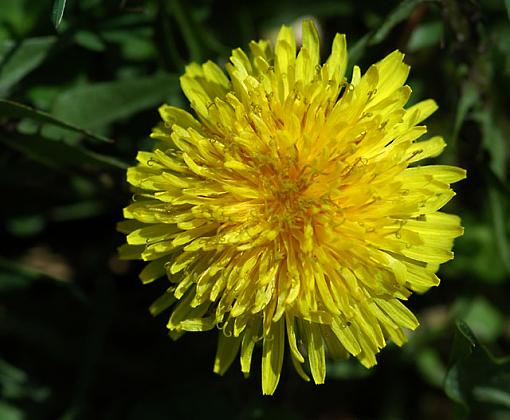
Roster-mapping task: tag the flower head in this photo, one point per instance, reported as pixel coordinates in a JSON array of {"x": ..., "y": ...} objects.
[{"x": 285, "y": 211}]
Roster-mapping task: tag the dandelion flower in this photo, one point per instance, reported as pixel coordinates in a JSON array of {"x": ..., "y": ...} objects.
[{"x": 289, "y": 209}]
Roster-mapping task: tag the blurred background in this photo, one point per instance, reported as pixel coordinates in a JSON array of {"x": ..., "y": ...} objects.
[{"x": 80, "y": 83}]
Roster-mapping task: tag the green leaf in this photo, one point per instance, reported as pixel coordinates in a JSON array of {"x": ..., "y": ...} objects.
[
  {"x": 499, "y": 220},
  {"x": 468, "y": 100},
  {"x": 58, "y": 154},
  {"x": 430, "y": 366},
  {"x": 400, "y": 13},
  {"x": 16, "y": 276},
  {"x": 89, "y": 40},
  {"x": 476, "y": 379},
  {"x": 58, "y": 12},
  {"x": 16, "y": 384},
  {"x": 17, "y": 110},
  {"x": 347, "y": 369},
  {"x": 425, "y": 35},
  {"x": 9, "y": 412},
  {"x": 476, "y": 250},
  {"x": 17, "y": 60},
  {"x": 136, "y": 44},
  {"x": 494, "y": 141},
  {"x": 25, "y": 225},
  {"x": 78, "y": 211},
  {"x": 14, "y": 16},
  {"x": 187, "y": 28},
  {"x": 496, "y": 144},
  {"x": 507, "y": 5},
  {"x": 96, "y": 105},
  {"x": 356, "y": 52},
  {"x": 484, "y": 318}
]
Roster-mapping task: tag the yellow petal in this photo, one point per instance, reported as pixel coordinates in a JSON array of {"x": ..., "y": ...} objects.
[
  {"x": 420, "y": 112},
  {"x": 163, "y": 302},
  {"x": 398, "y": 312},
  {"x": 153, "y": 233},
  {"x": 425, "y": 149},
  {"x": 291, "y": 338},
  {"x": 337, "y": 61},
  {"x": 227, "y": 350},
  {"x": 130, "y": 252},
  {"x": 272, "y": 357},
  {"x": 393, "y": 73},
  {"x": 316, "y": 355},
  {"x": 309, "y": 55},
  {"x": 153, "y": 271},
  {"x": 346, "y": 337},
  {"x": 214, "y": 74},
  {"x": 172, "y": 115},
  {"x": 248, "y": 344}
]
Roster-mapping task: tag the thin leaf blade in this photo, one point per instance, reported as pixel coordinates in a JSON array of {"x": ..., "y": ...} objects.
[
  {"x": 17, "y": 110},
  {"x": 58, "y": 154},
  {"x": 57, "y": 12}
]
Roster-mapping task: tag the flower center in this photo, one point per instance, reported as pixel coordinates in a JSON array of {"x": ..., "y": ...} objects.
[{"x": 287, "y": 201}]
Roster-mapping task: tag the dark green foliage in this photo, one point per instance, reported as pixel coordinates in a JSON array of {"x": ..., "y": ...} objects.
[
  {"x": 80, "y": 84},
  {"x": 475, "y": 379},
  {"x": 58, "y": 12}
]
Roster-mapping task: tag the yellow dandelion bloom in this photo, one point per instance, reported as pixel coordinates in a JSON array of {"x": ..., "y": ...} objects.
[{"x": 289, "y": 208}]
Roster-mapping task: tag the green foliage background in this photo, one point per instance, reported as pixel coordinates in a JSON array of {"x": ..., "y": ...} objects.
[{"x": 76, "y": 338}]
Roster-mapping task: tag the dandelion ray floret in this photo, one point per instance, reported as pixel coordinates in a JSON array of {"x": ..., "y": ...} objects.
[{"x": 289, "y": 209}]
